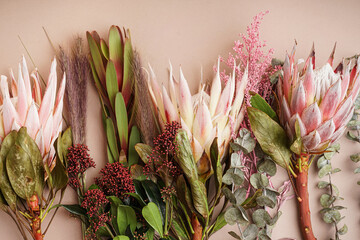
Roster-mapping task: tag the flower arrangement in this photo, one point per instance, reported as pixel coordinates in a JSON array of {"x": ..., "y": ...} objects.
[{"x": 179, "y": 165}]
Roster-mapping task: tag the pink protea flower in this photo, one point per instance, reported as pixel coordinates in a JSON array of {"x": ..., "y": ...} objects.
[
  {"x": 320, "y": 100},
  {"x": 204, "y": 115},
  {"x": 23, "y": 104}
]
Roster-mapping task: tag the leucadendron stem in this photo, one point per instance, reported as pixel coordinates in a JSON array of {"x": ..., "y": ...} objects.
[{"x": 301, "y": 184}]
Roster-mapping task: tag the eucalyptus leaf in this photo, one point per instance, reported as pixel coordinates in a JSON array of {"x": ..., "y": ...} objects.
[
  {"x": 234, "y": 215},
  {"x": 251, "y": 232},
  {"x": 267, "y": 166},
  {"x": 240, "y": 195},
  {"x": 244, "y": 142},
  {"x": 325, "y": 170},
  {"x": 355, "y": 157},
  {"x": 259, "y": 180},
  {"x": 234, "y": 235},
  {"x": 265, "y": 201},
  {"x": 343, "y": 230},
  {"x": 331, "y": 216},
  {"x": 326, "y": 200},
  {"x": 261, "y": 218},
  {"x": 271, "y": 136},
  {"x": 229, "y": 195},
  {"x": 233, "y": 176}
]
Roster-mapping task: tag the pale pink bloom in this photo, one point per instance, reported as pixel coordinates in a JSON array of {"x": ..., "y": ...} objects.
[
  {"x": 23, "y": 104},
  {"x": 204, "y": 115},
  {"x": 320, "y": 100}
]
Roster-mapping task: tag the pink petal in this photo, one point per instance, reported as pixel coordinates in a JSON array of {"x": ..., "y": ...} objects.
[
  {"x": 22, "y": 105},
  {"x": 285, "y": 111},
  {"x": 40, "y": 142},
  {"x": 338, "y": 134},
  {"x": 226, "y": 97},
  {"x": 32, "y": 122},
  {"x": 355, "y": 91},
  {"x": 331, "y": 58},
  {"x": 185, "y": 102},
  {"x": 292, "y": 122},
  {"x": 312, "y": 140},
  {"x": 326, "y": 130},
  {"x": 47, "y": 104},
  {"x": 342, "y": 111},
  {"x": 174, "y": 90},
  {"x": 287, "y": 77},
  {"x": 170, "y": 110},
  {"x": 61, "y": 91},
  {"x": 309, "y": 85},
  {"x": 36, "y": 87},
  {"x": 298, "y": 101},
  {"x": 330, "y": 101},
  {"x": 14, "y": 85},
  {"x": 240, "y": 88},
  {"x": 197, "y": 149},
  {"x": 26, "y": 77},
  {"x": 47, "y": 133},
  {"x": 345, "y": 82},
  {"x": 215, "y": 90},
  {"x": 10, "y": 115},
  {"x": 4, "y": 87},
  {"x": 311, "y": 117},
  {"x": 202, "y": 125},
  {"x": 348, "y": 117}
]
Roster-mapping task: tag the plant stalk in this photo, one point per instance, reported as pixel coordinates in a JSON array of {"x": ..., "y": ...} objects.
[
  {"x": 301, "y": 184},
  {"x": 198, "y": 230},
  {"x": 33, "y": 204}
]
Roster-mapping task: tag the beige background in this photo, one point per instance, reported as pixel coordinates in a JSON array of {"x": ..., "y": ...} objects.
[{"x": 191, "y": 33}]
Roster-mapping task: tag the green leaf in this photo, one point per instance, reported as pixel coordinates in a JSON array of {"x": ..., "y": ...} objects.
[
  {"x": 20, "y": 172},
  {"x": 5, "y": 185},
  {"x": 357, "y": 170},
  {"x": 59, "y": 176},
  {"x": 32, "y": 150},
  {"x": 216, "y": 165},
  {"x": 261, "y": 218},
  {"x": 128, "y": 72},
  {"x": 219, "y": 223},
  {"x": 325, "y": 170},
  {"x": 126, "y": 217},
  {"x": 323, "y": 184},
  {"x": 234, "y": 215},
  {"x": 111, "y": 83},
  {"x": 235, "y": 160},
  {"x": 251, "y": 232},
  {"x": 267, "y": 166},
  {"x": 75, "y": 209},
  {"x": 240, "y": 195},
  {"x": 116, "y": 52},
  {"x": 265, "y": 201},
  {"x": 104, "y": 49},
  {"x": 271, "y": 136},
  {"x": 179, "y": 231},
  {"x": 259, "y": 103},
  {"x": 326, "y": 200},
  {"x": 122, "y": 121},
  {"x": 331, "y": 216},
  {"x": 185, "y": 159},
  {"x": 150, "y": 234},
  {"x": 96, "y": 57},
  {"x": 343, "y": 230},
  {"x": 355, "y": 157},
  {"x": 233, "y": 176},
  {"x": 259, "y": 180},
  {"x": 234, "y": 235},
  {"x": 111, "y": 139},
  {"x": 244, "y": 142},
  {"x": 63, "y": 142},
  {"x": 144, "y": 151},
  {"x": 121, "y": 237},
  {"x": 153, "y": 193},
  {"x": 296, "y": 146},
  {"x": 229, "y": 195},
  {"x": 152, "y": 215},
  {"x": 134, "y": 139}
]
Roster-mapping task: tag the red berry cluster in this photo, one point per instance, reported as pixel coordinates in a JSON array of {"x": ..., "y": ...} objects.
[
  {"x": 166, "y": 192},
  {"x": 94, "y": 202},
  {"x": 115, "y": 180},
  {"x": 161, "y": 159},
  {"x": 79, "y": 161}
]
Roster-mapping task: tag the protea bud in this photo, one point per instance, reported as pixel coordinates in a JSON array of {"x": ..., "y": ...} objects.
[
  {"x": 22, "y": 104},
  {"x": 319, "y": 100},
  {"x": 203, "y": 116}
]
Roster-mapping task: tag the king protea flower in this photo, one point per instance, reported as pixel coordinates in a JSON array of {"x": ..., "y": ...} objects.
[
  {"x": 204, "y": 115},
  {"x": 22, "y": 104},
  {"x": 320, "y": 100}
]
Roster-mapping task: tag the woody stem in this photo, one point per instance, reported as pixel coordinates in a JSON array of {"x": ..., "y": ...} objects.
[
  {"x": 301, "y": 184},
  {"x": 33, "y": 204}
]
